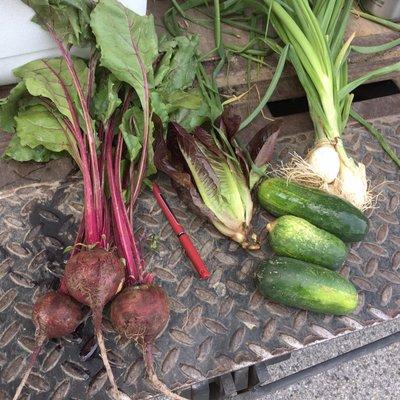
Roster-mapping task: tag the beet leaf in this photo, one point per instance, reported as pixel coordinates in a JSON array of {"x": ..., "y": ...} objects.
[
  {"x": 128, "y": 44},
  {"x": 37, "y": 126},
  {"x": 105, "y": 100},
  {"x": 16, "y": 151},
  {"x": 51, "y": 78},
  {"x": 69, "y": 19},
  {"x": 9, "y": 107},
  {"x": 177, "y": 69}
]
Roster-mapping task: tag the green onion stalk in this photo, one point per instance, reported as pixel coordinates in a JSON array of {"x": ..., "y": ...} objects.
[{"x": 315, "y": 33}]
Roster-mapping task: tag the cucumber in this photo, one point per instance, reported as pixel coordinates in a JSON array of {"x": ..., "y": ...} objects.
[
  {"x": 328, "y": 212},
  {"x": 295, "y": 237},
  {"x": 307, "y": 286}
]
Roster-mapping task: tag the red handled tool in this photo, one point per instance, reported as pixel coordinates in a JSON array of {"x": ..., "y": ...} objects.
[{"x": 185, "y": 240}]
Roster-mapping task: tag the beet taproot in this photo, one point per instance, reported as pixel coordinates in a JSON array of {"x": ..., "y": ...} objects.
[{"x": 54, "y": 315}]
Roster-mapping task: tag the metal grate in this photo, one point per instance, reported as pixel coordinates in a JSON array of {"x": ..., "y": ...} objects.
[{"x": 217, "y": 327}]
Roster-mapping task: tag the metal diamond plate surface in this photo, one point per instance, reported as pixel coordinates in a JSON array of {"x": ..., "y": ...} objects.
[{"x": 216, "y": 326}]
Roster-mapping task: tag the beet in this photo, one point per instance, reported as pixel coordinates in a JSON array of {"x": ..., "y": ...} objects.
[
  {"x": 55, "y": 315},
  {"x": 141, "y": 313},
  {"x": 94, "y": 277}
]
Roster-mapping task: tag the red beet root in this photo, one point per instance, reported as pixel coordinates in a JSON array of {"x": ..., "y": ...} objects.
[
  {"x": 94, "y": 277},
  {"x": 55, "y": 315},
  {"x": 140, "y": 313}
]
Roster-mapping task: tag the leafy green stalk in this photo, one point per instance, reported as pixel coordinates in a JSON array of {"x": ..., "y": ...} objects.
[
  {"x": 381, "y": 21},
  {"x": 90, "y": 135},
  {"x": 270, "y": 90},
  {"x": 376, "y": 49},
  {"x": 110, "y": 20}
]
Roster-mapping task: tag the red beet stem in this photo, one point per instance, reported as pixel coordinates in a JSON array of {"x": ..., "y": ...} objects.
[
  {"x": 97, "y": 193},
  {"x": 90, "y": 215},
  {"x": 93, "y": 59},
  {"x": 63, "y": 288},
  {"x": 123, "y": 234},
  {"x": 138, "y": 260}
]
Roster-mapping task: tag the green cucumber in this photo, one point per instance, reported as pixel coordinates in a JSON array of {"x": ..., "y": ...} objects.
[
  {"x": 307, "y": 286},
  {"x": 295, "y": 237},
  {"x": 328, "y": 212}
]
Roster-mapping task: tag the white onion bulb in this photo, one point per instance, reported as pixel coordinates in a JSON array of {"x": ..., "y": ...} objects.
[
  {"x": 352, "y": 184},
  {"x": 324, "y": 161}
]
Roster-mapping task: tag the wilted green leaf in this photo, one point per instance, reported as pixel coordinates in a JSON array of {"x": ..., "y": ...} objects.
[
  {"x": 9, "y": 107},
  {"x": 166, "y": 105},
  {"x": 190, "y": 119},
  {"x": 181, "y": 54},
  {"x": 159, "y": 107},
  {"x": 37, "y": 126},
  {"x": 70, "y": 19},
  {"x": 128, "y": 43},
  {"x": 106, "y": 100},
  {"x": 42, "y": 78},
  {"x": 132, "y": 131},
  {"x": 178, "y": 99},
  {"x": 174, "y": 77},
  {"x": 162, "y": 68},
  {"x": 17, "y": 152},
  {"x": 131, "y": 128}
]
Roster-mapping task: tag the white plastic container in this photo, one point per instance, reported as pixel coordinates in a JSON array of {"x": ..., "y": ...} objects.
[{"x": 22, "y": 41}]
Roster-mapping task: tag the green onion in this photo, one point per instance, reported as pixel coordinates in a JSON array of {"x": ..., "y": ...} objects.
[
  {"x": 381, "y": 21},
  {"x": 376, "y": 49},
  {"x": 270, "y": 90}
]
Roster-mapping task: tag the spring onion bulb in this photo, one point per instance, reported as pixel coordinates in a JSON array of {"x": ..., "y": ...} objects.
[
  {"x": 352, "y": 184},
  {"x": 324, "y": 160}
]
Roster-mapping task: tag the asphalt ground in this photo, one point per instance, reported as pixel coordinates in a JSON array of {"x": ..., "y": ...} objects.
[{"x": 375, "y": 376}]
